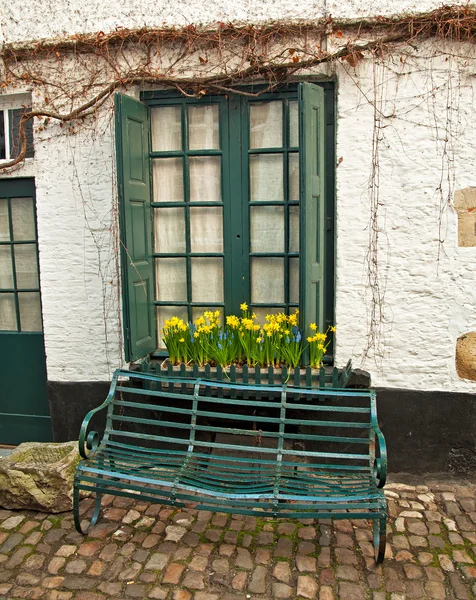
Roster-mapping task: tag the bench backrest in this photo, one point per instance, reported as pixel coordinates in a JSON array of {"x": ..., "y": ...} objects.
[{"x": 324, "y": 428}]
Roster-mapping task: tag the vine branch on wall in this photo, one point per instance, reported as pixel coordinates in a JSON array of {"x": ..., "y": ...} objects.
[{"x": 256, "y": 61}]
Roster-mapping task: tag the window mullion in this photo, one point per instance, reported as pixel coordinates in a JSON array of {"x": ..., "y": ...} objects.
[
  {"x": 238, "y": 273},
  {"x": 186, "y": 191}
]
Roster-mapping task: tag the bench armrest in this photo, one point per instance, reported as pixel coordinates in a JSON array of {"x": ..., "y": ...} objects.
[
  {"x": 380, "y": 464},
  {"x": 89, "y": 442}
]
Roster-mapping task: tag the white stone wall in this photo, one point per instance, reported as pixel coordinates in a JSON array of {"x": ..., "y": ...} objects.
[
  {"x": 429, "y": 288},
  {"x": 429, "y": 282},
  {"x": 54, "y": 18}
]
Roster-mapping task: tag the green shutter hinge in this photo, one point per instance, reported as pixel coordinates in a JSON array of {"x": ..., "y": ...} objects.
[{"x": 329, "y": 223}]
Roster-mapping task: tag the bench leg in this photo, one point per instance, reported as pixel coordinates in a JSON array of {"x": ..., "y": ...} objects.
[
  {"x": 77, "y": 517},
  {"x": 380, "y": 538}
]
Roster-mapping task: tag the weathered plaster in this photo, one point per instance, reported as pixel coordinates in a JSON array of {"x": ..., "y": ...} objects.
[{"x": 49, "y": 19}]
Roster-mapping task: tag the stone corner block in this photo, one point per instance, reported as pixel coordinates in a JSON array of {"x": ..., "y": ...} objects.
[
  {"x": 39, "y": 476},
  {"x": 466, "y": 356}
]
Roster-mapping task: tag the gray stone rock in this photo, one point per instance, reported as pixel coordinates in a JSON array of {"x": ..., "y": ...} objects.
[{"x": 39, "y": 476}]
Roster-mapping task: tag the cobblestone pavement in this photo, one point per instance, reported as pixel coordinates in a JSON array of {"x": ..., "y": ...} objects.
[{"x": 141, "y": 550}]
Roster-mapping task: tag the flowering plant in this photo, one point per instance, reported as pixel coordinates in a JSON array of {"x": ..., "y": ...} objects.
[{"x": 243, "y": 339}]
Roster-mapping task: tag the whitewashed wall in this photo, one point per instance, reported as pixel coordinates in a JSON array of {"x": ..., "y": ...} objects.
[
  {"x": 430, "y": 288},
  {"x": 52, "y": 18}
]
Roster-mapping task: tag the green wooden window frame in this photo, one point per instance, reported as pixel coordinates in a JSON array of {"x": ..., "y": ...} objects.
[{"x": 234, "y": 153}]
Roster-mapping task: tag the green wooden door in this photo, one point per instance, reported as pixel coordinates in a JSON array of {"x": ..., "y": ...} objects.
[{"x": 24, "y": 409}]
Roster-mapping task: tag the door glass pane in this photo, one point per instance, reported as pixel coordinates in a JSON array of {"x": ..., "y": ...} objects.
[
  {"x": 207, "y": 279},
  {"x": 294, "y": 229},
  {"x": 6, "y": 270},
  {"x": 4, "y": 225},
  {"x": 3, "y": 149},
  {"x": 206, "y": 229},
  {"x": 166, "y": 128},
  {"x": 266, "y": 124},
  {"x": 294, "y": 280},
  {"x": 294, "y": 176},
  {"x": 26, "y": 266},
  {"x": 293, "y": 125},
  {"x": 169, "y": 230},
  {"x": 266, "y": 177},
  {"x": 205, "y": 179},
  {"x": 203, "y": 127},
  {"x": 267, "y": 280},
  {"x": 23, "y": 219},
  {"x": 171, "y": 279},
  {"x": 164, "y": 313},
  {"x": 8, "y": 320},
  {"x": 267, "y": 229},
  {"x": 30, "y": 311},
  {"x": 167, "y": 179}
]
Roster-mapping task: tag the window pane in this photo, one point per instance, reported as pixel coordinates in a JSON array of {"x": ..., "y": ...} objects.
[
  {"x": 294, "y": 280},
  {"x": 3, "y": 149},
  {"x": 198, "y": 311},
  {"x": 266, "y": 125},
  {"x": 15, "y": 141},
  {"x": 167, "y": 179},
  {"x": 8, "y": 321},
  {"x": 203, "y": 127},
  {"x": 171, "y": 279},
  {"x": 294, "y": 229},
  {"x": 166, "y": 128},
  {"x": 4, "y": 225},
  {"x": 206, "y": 229},
  {"x": 164, "y": 313},
  {"x": 23, "y": 219},
  {"x": 169, "y": 230},
  {"x": 267, "y": 280},
  {"x": 30, "y": 311},
  {"x": 262, "y": 311},
  {"x": 26, "y": 266},
  {"x": 293, "y": 125},
  {"x": 207, "y": 279},
  {"x": 205, "y": 179},
  {"x": 6, "y": 270},
  {"x": 266, "y": 177},
  {"x": 294, "y": 176},
  {"x": 267, "y": 229}
]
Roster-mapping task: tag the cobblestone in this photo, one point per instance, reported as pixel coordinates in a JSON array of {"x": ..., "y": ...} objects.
[{"x": 145, "y": 551}]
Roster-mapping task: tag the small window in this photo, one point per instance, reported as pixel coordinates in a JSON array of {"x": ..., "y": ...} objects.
[{"x": 11, "y": 111}]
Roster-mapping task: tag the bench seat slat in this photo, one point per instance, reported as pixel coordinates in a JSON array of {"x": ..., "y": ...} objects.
[
  {"x": 226, "y": 489},
  {"x": 223, "y": 402}
]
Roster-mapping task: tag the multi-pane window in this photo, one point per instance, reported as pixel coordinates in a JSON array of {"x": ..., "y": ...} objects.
[
  {"x": 223, "y": 200},
  {"x": 20, "y": 308},
  {"x": 225, "y": 181}
]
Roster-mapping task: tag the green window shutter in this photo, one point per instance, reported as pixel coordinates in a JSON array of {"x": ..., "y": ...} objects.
[
  {"x": 132, "y": 148},
  {"x": 312, "y": 198}
]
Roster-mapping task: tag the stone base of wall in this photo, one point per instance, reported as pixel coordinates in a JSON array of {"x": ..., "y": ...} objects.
[{"x": 426, "y": 432}]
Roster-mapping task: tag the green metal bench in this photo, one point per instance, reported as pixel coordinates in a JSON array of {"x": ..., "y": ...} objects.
[{"x": 278, "y": 451}]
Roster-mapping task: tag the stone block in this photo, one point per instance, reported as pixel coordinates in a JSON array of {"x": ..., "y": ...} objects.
[
  {"x": 39, "y": 476},
  {"x": 466, "y": 356}
]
